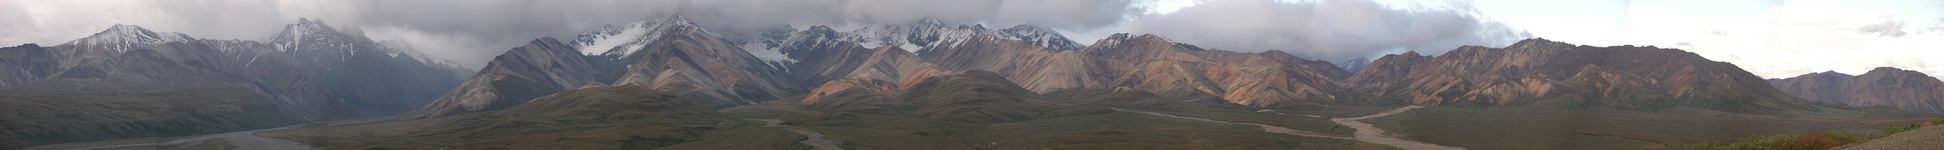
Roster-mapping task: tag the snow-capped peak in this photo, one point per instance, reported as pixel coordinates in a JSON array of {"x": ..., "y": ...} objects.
[
  {"x": 1041, "y": 36},
  {"x": 122, "y": 37},
  {"x": 295, "y": 36},
  {"x": 626, "y": 39},
  {"x": 313, "y": 39},
  {"x": 930, "y": 33}
]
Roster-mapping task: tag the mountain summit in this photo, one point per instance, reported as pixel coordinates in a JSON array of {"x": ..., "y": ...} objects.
[{"x": 1884, "y": 86}]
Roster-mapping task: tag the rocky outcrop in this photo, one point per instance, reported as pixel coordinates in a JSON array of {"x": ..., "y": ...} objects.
[
  {"x": 1542, "y": 73},
  {"x": 1884, "y": 86}
]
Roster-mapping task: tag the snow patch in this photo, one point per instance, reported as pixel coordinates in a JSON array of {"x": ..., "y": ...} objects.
[{"x": 602, "y": 43}]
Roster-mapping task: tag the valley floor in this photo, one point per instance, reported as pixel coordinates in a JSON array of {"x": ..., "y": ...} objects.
[
  {"x": 1522, "y": 128},
  {"x": 781, "y": 125}
]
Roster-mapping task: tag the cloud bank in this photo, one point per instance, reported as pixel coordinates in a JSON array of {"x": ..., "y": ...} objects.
[{"x": 1335, "y": 30}]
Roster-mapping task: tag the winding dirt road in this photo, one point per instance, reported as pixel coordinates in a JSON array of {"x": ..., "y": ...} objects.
[
  {"x": 815, "y": 139},
  {"x": 1370, "y": 133},
  {"x": 1265, "y": 128},
  {"x": 1365, "y": 131}
]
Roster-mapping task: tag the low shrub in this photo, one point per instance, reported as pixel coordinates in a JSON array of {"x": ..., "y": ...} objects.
[
  {"x": 1844, "y": 137},
  {"x": 1809, "y": 142}
]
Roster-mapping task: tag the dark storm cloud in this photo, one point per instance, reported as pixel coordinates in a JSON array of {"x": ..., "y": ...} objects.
[{"x": 1335, "y": 30}]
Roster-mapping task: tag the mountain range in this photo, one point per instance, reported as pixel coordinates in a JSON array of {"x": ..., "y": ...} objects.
[
  {"x": 1882, "y": 87},
  {"x": 172, "y": 84},
  {"x": 673, "y": 69}
]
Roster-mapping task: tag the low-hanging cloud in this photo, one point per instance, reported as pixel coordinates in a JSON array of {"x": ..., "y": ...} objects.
[{"x": 1335, "y": 30}]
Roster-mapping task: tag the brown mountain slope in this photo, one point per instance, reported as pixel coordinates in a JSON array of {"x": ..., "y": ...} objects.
[
  {"x": 1150, "y": 63},
  {"x": 624, "y": 117},
  {"x": 543, "y": 66},
  {"x": 970, "y": 96},
  {"x": 689, "y": 60},
  {"x": 1035, "y": 68},
  {"x": 1268, "y": 79},
  {"x": 678, "y": 58},
  {"x": 1386, "y": 70},
  {"x": 887, "y": 72},
  {"x": 1884, "y": 86},
  {"x": 1537, "y": 72}
]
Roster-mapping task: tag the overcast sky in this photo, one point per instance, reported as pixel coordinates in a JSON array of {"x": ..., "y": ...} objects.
[{"x": 1771, "y": 38}]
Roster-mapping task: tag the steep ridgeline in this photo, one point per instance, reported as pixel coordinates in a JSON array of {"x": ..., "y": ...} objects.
[
  {"x": 81, "y": 90},
  {"x": 669, "y": 54},
  {"x": 1884, "y": 86},
  {"x": 1537, "y": 72}
]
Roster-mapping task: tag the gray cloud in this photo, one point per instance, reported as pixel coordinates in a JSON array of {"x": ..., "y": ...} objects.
[
  {"x": 1887, "y": 28},
  {"x": 1335, "y": 30}
]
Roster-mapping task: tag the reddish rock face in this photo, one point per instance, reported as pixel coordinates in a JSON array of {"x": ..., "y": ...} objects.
[
  {"x": 1544, "y": 73},
  {"x": 1884, "y": 86}
]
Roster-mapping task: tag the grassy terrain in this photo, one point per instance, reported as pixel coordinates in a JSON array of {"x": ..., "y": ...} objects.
[
  {"x": 1313, "y": 120},
  {"x": 1525, "y": 128},
  {"x": 36, "y": 119},
  {"x": 1115, "y": 130},
  {"x": 596, "y": 118},
  {"x": 1817, "y": 140}
]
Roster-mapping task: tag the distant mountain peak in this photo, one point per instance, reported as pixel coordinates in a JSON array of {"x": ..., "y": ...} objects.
[
  {"x": 121, "y": 37},
  {"x": 1886, "y": 70},
  {"x": 1411, "y": 53},
  {"x": 305, "y": 28},
  {"x": 1043, "y": 36},
  {"x": 312, "y": 23}
]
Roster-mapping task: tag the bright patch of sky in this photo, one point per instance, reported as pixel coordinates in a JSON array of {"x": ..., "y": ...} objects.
[{"x": 1771, "y": 38}]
